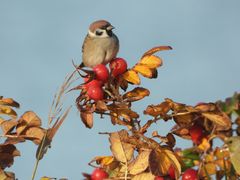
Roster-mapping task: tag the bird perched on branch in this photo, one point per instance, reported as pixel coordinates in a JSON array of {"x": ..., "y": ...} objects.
[
  {"x": 233, "y": 144},
  {"x": 101, "y": 45}
]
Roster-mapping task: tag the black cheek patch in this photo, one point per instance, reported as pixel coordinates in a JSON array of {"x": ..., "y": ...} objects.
[{"x": 109, "y": 33}]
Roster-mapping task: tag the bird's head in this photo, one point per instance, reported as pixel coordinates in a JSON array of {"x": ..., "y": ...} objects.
[
  {"x": 233, "y": 143},
  {"x": 100, "y": 29}
]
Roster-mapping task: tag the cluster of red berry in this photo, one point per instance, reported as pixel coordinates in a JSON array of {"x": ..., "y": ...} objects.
[{"x": 94, "y": 88}]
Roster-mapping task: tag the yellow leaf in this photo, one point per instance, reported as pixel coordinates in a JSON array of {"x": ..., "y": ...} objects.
[
  {"x": 151, "y": 61},
  {"x": 136, "y": 94},
  {"x": 132, "y": 77},
  {"x": 9, "y": 102},
  {"x": 122, "y": 151},
  {"x": 208, "y": 169},
  {"x": 144, "y": 70},
  {"x": 144, "y": 176},
  {"x": 5, "y": 110},
  {"x": 104, "y": 160},
  {"x": 204, "y": 145},
  {"x": 140, "y": 164},
  {"x": 156, "y": 49}
]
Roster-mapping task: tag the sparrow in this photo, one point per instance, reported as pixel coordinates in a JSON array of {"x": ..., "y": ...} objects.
[{"x": 101, "y": 45}]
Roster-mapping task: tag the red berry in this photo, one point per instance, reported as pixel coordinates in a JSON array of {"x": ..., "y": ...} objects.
[
  {"x": 95, "y": 93},
  {"x": 101, "y": 72},
  {"x": 190, "y": 174},
  {"x": 118, "y": 66},
  {"x": 92, "y": 83},
  {"x": 171, "y": 172},
  {"x": 159, "y": 178},
  {"x": 196, "y": 133},
  {"x": 99, "y": 174}
]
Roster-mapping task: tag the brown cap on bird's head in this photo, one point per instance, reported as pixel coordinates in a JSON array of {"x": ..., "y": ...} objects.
[{"x": 100, "y": 24}]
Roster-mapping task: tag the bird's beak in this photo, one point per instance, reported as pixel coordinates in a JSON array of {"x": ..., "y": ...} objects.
[{"x": 109, "y": 28}]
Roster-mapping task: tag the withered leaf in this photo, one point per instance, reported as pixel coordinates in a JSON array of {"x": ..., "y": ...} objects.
[
  {"x": 151, "y": 61},
  {"x": 206, "y": 107},
  {"x": 144, "y": 70},
  {"x": 8, "y": 126},
  {"x": 28, "y": 119},
  {"x": 139, "y": 164},
  {"x": 160, "y": 109},
  {"x": 7, "y": 153},
  {"x": 171, "y": 140},
  {"x": 122, "y": 151},
  {"x": 5, "y": 110},
  {"x": 183, "y": 132},
  {"x": 144, "y": 176},
  {"x": 184, "y": 119},
  {"x": 34, "y": 134},
  {"x": 123, "y": 83},
  {"x": 156, "y": 49},
  {"x": 160, "y": 161},
  {"x": 9, "y": 102},
  {"x": 136, "y": 94},
  {"x": 87, "y": 118},
  {"x": 5, "y": 175},
  {"x": 220, "y": 119},
  {"x": 132, "y": 77},
  {"x": 101, "y": 106}
]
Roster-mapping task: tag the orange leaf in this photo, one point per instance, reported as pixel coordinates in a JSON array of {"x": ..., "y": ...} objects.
[
  {"x": 87, "y": 118},
  {"x": 136, "y": 94},
  {"x": 151, "y": 61},
  {"x": 204, "y": 145},
  {"x": 132, "y": 77},
  {"x": 8, "y": 126},
  {"x": 156, "y": 49},
  {"x": 34, "y": 134},
  {"x": 143, "y": 70},
  {"x": 9, "y": 102}
]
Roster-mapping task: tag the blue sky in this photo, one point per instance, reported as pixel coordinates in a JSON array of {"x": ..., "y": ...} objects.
[{"x": 38, "y": 40}]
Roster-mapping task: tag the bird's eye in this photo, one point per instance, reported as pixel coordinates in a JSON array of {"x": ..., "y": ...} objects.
[{"x": 99, "y": 33}]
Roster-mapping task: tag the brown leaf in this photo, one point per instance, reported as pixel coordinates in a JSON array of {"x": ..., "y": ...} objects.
[
  {"x": 34, "y": 134},
  {"x": 136, "y": 94},
  {"x": 205, "y": 107},
  {"x": 156, "y": 49},
  {"x": 87, "y": 118},
  {"x": 220, "y": 119},
  {"x": 183, "y": 132},
  {"x": 171, "y": 141},
  {"x": 160, "y": 109},
  {"x": 8, "y": 126},
  {"x": 184, "y": 119},
  {"x": 160, "y": 161},
  {"x": 28, "y": 119},
  {"x": 139, "y": 164},
  {"x": 123, "y": 83},
  {"x": 132, "y": 77},
  {"x": 144, "y": 176},
  {"x": 7, "y": 153},
  {"x": 9, "y": 102},
  {"x": 122, "y": 151},
  {"x": 101, "y": 106}
]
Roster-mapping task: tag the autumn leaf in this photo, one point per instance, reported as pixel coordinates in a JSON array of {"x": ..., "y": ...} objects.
[
  {"x": 7, "y": 154},
  {"x": 160, "y": 161},
  {"x": 139, "y": 164},
  {"x": 132, "y": 77},
  {"x": 8, "y": 126},
  {"x": 87, "y": 118},
  {"x": 34, "y": 134},
  {"x": 160, "y": 109},
  {"x": 151, "y": 61},
  {"x": 5, "y": 110},
  {"x": 156, "y": 49},
  {"x": 145, "y": 71},
  {"x": 122, "y": 151},
  {"x": 220, "y": 119},
  {"x": 9, "y": 102},
  {"x": 136, "y": 94},
  {"x": 28, "y": 119},
  {"x": 144, "y": 176}
]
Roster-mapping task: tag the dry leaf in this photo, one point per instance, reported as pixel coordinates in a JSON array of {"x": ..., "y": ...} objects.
[
  {"x": 160, "y": 109},
  {"x": 220, "y": 119},
  {"x": 144, "y": 70},
  {"x": 151, "y": 61},
  {"x": 8, "y": 126},
  {"x": 136, "y": 94},
  {"x": 139, "y": 164},
  {"x": 156, "y": 49},
  {"x": 28, "y": 119},
  {"x": 9, "y": 102},
  {"x": 34, "y": 134},
  {"x": 87, "y": 118},
  {"x": 160, "y": 161},
  {"x": 122, "y": 151},
  {"x": 5, "y": 110},
  {"x": 132, "y": 77},
  {"x": 101, "y": 106},
  {"x": 144, "y": 176},
  {"x": 7, "y": 153}
]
